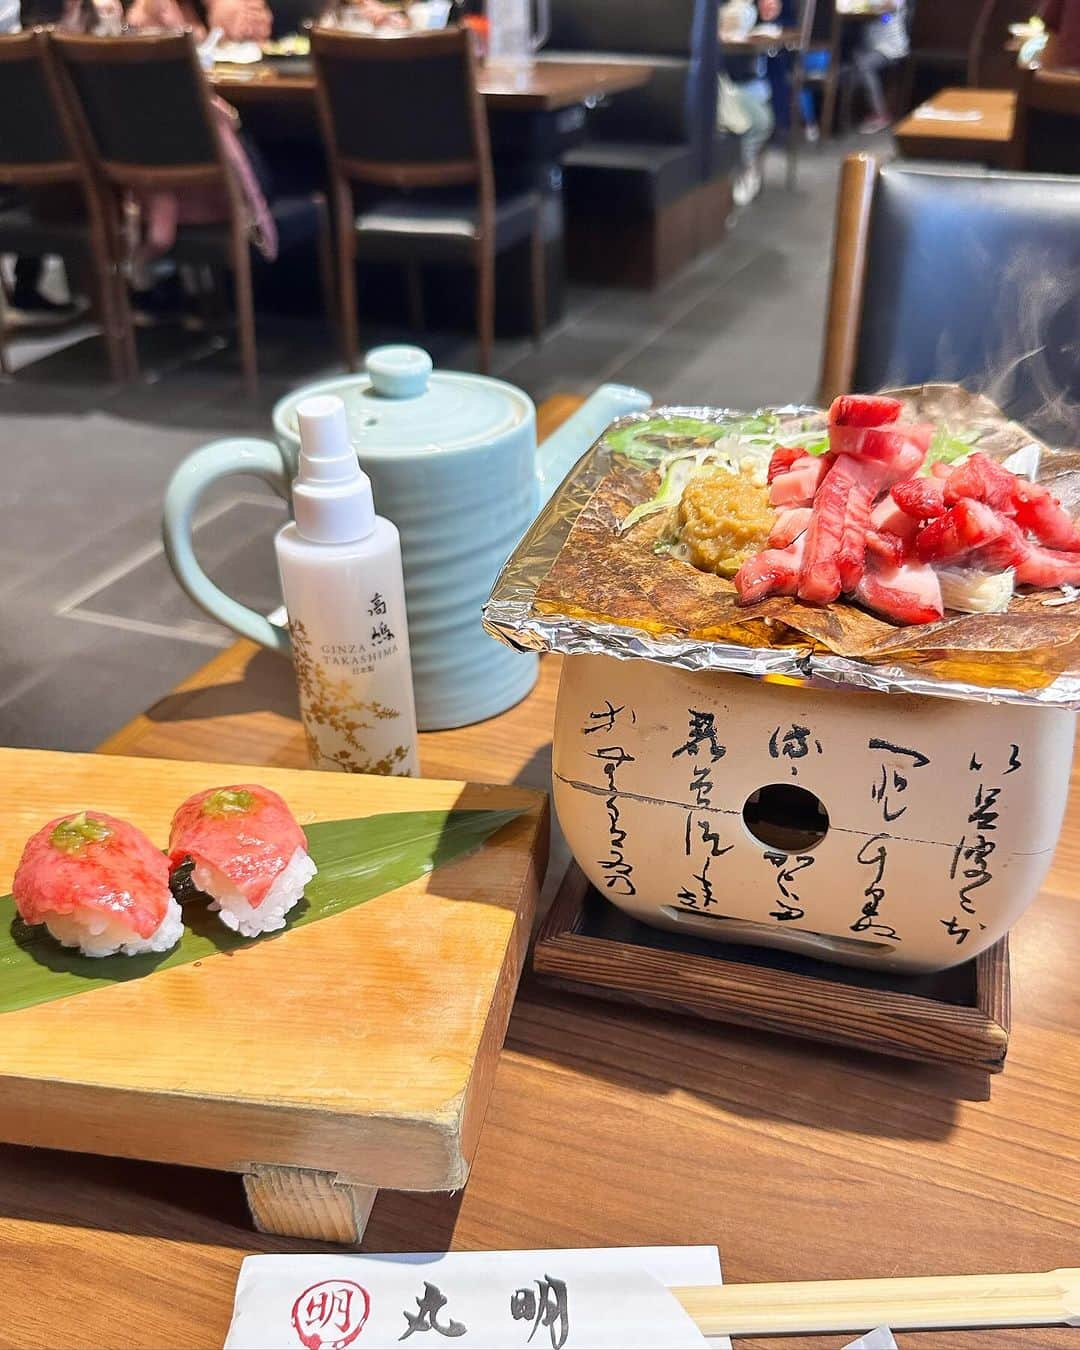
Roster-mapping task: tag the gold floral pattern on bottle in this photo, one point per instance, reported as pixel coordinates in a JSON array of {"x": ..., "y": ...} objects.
[{"x": 334, "y": 722}]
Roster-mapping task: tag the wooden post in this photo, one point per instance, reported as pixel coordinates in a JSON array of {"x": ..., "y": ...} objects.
[
  {"x": 850, "y": 249},
  {"x": 300, "y": 1202}
]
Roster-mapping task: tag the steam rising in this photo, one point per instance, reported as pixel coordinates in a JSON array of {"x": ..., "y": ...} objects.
[
  {"x": 1037, "y": 377},
  {"x": 1028, "y": 358}
]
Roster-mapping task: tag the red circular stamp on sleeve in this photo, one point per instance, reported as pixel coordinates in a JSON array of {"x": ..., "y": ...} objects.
[{"x": 331, "y": 1314}]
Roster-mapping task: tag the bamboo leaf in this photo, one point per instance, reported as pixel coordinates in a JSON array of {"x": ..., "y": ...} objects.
[{"x": 357, "y": 861}]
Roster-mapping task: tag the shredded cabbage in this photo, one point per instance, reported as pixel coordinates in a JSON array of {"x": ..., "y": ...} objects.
[
  {"x": 672, "y": 486},
  {"x": 733, "y": 456},
  {"x": 948, "y": 448},
  {"x": 641, "y": 440}
]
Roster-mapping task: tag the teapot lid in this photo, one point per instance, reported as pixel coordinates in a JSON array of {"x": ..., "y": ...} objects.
[{"x": 402, "y": 404}]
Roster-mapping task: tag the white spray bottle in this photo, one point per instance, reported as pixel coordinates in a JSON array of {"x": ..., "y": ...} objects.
[{"x": 340, "y": 567}]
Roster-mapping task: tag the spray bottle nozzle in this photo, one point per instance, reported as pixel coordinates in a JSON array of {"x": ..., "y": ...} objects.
[{"x": 332, "y": 498}]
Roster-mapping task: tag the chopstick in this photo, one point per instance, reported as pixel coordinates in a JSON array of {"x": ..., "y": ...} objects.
[{"x": 949, "y": 1301}]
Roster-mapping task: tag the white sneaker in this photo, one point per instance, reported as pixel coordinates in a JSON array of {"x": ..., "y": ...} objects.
[{"x": 747, "y": 185}]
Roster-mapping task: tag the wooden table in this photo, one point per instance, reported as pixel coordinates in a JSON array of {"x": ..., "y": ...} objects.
[
  {"x": 990, "y": 140},
  {"x": 608, "y": 1125},
  {"x": 548, "y": 87},
  {"x": 761, "y": 44}
]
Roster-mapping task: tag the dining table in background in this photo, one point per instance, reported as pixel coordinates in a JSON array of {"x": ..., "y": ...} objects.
[
  {"x": 988, "y": 138},
  {"x": 535, "y": 115},
  {"x": 546, "y": 86},
  {"x": 608, "y": 1125}
]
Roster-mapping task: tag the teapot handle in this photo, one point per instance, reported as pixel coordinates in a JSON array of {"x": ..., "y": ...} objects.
[
  {"x": 565, "y": 446},
  {"x": 220, "y": 459}
]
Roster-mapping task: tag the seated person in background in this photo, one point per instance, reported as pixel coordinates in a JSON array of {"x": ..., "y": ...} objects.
[
  {"x": 1062, "y": 19},
  {"x": 258, "y": 20},
  {"x": 779, "y": 73},
  {"x": 745, "y": 108},
  {"x": 373, "y": 13},
  {"x": 151, "y": 14},
  {"x": 162, "y": 210},
  {"x": 880, "y": 44},
  {"x": 239, "y": 20}
]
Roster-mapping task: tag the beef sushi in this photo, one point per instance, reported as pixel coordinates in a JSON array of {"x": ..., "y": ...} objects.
[
  {"x": 99, "y": 884},
  {"x": 248, "y": 853}
]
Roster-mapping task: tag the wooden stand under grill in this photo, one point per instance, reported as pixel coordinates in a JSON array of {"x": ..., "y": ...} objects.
[{"x": 957, "y": 1017}]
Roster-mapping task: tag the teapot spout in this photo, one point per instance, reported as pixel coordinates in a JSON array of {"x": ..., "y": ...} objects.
[{"x": 565, "y": 446}]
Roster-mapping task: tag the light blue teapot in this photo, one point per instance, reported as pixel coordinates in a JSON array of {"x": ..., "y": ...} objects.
[{"x": 454, "y": 464}]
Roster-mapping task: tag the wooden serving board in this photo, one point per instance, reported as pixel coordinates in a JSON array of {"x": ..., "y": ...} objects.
[{"x": 352, "y": 1054}]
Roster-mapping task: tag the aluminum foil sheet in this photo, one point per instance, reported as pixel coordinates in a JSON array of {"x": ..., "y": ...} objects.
[{"x": 516, "y": 616}]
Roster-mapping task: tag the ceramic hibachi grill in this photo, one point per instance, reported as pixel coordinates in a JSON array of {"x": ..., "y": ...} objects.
[{"x": 871, "y": 813}]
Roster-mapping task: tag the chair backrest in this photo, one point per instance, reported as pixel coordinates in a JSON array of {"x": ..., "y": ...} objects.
[
  {"x": 943, "y": 26},
  {"x": 402, "y": 111},
  {"x": 990, "y": 65},
  {"x": 911, "y": 296},
  {"x": 817, "y": 19},
  {"x": 145, "y": 106},
  {"x": 37, "y": 141}
]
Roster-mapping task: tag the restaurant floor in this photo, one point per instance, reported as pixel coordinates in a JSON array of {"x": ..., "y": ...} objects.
[{"x": 93, "y": 628}]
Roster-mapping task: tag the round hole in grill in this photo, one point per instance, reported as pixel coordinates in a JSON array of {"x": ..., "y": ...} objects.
[{"x": 785, "y": 817}]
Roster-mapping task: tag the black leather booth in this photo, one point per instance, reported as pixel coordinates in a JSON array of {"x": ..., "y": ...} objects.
[{"x": 649, "y": 186}]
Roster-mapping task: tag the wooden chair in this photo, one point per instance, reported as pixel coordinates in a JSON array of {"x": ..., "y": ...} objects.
[
  {"x": 1047, "y": 131},
  {"x": 818, "y": 33},
  {"x": 909, "y": 300},
  {"x": 990, "y": 65},
  {"x": 941, "y": 33},
  {"x": 40, "y": 151},
  {"x": 144, "y": 107},
  {"x": 822, "y": 29},
  {"x": 402, "y": 119},
  {"x": 827, "y": 34}
]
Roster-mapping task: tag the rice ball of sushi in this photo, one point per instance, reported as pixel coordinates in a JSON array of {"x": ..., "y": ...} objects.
[
  {"x": 248, "y": 853},
  {"x": 99, "y": 884}
]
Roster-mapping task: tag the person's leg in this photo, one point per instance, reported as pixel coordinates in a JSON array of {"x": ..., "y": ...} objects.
[
  {"x": 757, "y": 102},
  {"x": 868, "y": 67},
  {"x": 755, "y": 98}
]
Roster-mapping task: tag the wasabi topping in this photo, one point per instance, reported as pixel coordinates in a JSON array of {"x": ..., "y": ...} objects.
[
  {"x": 228, "y": 802},
  {"x": 74, "y": 833}
]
